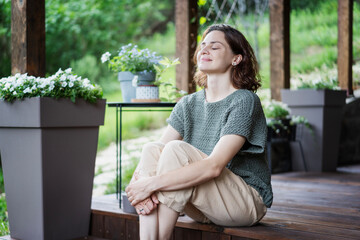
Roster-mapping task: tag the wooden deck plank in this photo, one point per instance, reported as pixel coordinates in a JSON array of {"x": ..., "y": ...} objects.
[{"x": 306, "y": 206}]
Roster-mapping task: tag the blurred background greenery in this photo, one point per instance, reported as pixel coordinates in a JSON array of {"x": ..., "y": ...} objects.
[{"x": 79, "y": 32}]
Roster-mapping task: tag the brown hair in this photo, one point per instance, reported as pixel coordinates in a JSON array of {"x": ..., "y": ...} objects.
[{"x": 245, "y": 75}]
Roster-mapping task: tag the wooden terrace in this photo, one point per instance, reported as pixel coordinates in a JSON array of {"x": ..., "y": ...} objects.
[{"x": 306, "y": 206}]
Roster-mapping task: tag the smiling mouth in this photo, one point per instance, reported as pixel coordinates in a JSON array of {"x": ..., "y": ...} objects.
[{"x": 205, "y": 60}]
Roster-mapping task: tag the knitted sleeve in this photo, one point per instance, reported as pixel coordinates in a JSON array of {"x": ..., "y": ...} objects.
[
  {"x": 176, "y": 119},
  {"x": 247, "y": 120}
]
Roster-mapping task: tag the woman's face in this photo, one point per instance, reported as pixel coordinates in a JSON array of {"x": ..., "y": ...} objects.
[{"x": 215, "y": 55}]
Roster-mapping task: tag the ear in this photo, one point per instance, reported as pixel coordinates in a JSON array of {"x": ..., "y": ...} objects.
[{"x": 237, "y": 59}]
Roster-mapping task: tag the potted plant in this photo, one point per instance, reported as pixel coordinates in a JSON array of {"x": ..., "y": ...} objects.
[
  {"x": 171, "y": 92},
  {"x": 280, "y": 131},
  {"x": 319, "y": 99},
  {"x": 133, "y": 64},
  {"x": 49, "y": 135}
]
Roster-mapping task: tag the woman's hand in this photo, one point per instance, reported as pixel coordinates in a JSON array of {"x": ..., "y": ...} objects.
[
  {"x": 139, "y": 190},
  {"x": 148, "y": 205}
]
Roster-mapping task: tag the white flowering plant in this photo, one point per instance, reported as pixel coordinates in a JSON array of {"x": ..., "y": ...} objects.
[
  {"x": 132, "y": 59},
  {"x": 278, "y": 118},
  {"x": 63, "y": 84},
  {"x": 323, "y": 78},
  {"x": 171, "y": 92},
  {"x": 276, "y": 110}
]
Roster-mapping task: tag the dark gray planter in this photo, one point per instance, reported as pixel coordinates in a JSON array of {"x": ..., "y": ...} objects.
[
  {"x": 48, "y": 150},
  {"x": 126, "y": 205},
  {"x": 128, "y": 91},
  {"x": 323, "y": 109}
]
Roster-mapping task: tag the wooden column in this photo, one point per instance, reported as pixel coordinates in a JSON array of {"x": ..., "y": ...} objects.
[
  {"x": 345, "y": 48},
  {"x": 28, "y": 37},
  {"x": 279, "y": 46},
  {"x": 186, "y": 22}
]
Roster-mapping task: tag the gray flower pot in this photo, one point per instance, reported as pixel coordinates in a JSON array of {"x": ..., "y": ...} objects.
[
  {"x": 323, "y": 109},
  {"x": 126, "y": 205},
  {"x": 48, "y": 150},
  {"x": 128, "y": 91}
]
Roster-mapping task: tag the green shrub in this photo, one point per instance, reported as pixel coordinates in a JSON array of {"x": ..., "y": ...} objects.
[{"x": 4, "y": 224}]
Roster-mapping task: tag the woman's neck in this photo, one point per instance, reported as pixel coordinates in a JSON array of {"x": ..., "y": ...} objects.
[{"x": 218, "y": 87}]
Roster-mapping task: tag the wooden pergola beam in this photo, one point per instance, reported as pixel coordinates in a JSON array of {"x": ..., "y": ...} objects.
[
  {"x": 345, "y": 48},
  {"x": 279, "y": 46},
  {"x": 186, "y": 41},
  {"x": 28, "y": 37}
]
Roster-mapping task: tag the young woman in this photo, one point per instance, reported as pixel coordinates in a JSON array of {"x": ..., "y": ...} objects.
[{"x": 210, "y": 162}]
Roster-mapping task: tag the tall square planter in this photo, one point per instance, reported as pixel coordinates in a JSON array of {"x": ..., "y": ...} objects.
[
  {"x": 323, "y": 109},
  {"x": 48, "y": 149}
]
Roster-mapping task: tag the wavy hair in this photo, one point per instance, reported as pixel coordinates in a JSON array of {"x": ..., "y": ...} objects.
[{"x": 245, "y": 75}]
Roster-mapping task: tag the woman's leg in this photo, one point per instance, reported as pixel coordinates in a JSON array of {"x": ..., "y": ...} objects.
[
  {"x": 167, "y": 218},
  {"x": 147, "y": 167},
  {"x": 149, "y": 226},
  {"x": 176, "y": 154},
  {"x": 225, "y": 200}
]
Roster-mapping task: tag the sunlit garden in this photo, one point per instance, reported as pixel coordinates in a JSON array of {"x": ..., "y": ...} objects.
[{"x": 78, "y": 33}]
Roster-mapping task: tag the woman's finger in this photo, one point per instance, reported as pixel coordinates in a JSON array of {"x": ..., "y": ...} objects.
[
  {"x": 146, "y": 210},
  {"x": 154, "y": 198},
  {"x": 150, "y": 204}
]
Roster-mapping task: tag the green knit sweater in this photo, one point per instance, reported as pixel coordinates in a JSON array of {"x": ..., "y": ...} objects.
[{"x": 202, "y": 124}]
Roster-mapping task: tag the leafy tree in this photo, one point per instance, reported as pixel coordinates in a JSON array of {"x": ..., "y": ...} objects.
[
  {"x": 75, "y": 28},
  {"x": 5, "y": 37}
]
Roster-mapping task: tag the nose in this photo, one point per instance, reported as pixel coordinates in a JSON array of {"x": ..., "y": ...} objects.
[{"x": 204, "y": 50}]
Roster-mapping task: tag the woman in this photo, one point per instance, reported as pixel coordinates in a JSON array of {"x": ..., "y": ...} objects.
[{"x": 210, "y": 162}]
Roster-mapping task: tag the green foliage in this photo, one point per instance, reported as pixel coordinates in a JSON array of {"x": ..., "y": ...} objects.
[
  {"x": 89, "y": 67},
  {"x": 2, "y": 188},
  {"x": 63, "y": 84},
  {"x": 4, "y": 224},
  {"x": 323, "y": 78},
  {"x": 132, "y": 59},
  {"x": 78, "y": 28},
  {"x": 172, "y": 93},
  {"x": 275, "y": 109},
  {"x": 5, "y": 37},
  {"x": 90, "y": 26},
  {"x": 134, "y": 123}
]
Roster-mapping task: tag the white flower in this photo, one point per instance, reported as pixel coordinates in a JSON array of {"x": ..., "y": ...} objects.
[
  {"x": 71, "y": 84},
  {"x": 14, "y": 92},
  {"x": 27, "y": 90},
  {"x": 63, "y": 78},
  {"x": 68, "y": 71},
  {"x": 90, "y": 87},
  {"x": 7, "y": 85},
  {"x": 105, "y": 57},
  {"x": 59, "y": 72},
  {"x": 64, "y": 84},
  {"x": 86, "y": 82},
  {"x": 135, "y": 81},
  {"x": 72, "y": 78}
]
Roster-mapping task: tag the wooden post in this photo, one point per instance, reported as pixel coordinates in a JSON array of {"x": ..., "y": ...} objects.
[
  {"x": 279, "y": 46},
  {"x": 28, "y": 37},
  {"x": 345, "y": 48},
  {"x": 186, "y": 23}
]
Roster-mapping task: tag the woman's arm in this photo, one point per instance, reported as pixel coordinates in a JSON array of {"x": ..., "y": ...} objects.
[
  {"x": 190, "y": 175},
  {"x": 149, "y": 204},
  {"x": 169, "y": 135}
]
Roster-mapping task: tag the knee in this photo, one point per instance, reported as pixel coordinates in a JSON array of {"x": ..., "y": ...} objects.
[
  {"x": 153, "y": 146},
  {"x": 175, "y": 145}
]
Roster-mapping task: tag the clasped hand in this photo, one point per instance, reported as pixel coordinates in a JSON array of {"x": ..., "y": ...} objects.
[{"x": 141, "y": 197}]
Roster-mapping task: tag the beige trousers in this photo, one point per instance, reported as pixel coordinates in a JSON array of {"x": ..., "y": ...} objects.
[{"x": 226, "y": 200}]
